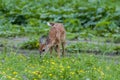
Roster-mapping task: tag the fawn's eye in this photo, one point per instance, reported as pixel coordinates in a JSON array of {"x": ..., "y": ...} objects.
[{"x": 43, "y": 50}]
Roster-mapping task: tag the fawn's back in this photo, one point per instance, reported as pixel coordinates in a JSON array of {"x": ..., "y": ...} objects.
[{"x": 57, "y": 33}]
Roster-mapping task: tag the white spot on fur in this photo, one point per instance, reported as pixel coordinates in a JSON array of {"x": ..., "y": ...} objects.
[{"x": 48, "y": 24}]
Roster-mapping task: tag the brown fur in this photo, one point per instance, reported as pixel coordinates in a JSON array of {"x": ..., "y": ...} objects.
[{"x": 56, "y": 37}]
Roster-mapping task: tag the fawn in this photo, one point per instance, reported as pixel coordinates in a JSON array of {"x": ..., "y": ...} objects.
[{"x": 55, "y": 39}]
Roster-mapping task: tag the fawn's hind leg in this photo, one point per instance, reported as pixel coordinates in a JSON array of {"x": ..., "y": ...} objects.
[
  {"x": 58, "y": 50},
  {"x": 55, "y": 48},
  {"x": 63, "y": 48}
]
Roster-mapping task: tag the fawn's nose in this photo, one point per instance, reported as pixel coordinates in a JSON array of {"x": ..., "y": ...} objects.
[
  {"x": 40, "y": 52},
  {"x": 43, "y": 50}
]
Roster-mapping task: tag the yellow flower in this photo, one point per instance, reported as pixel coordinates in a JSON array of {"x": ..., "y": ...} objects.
[
  {"x": 14, "y": 79},
  {"x": 72, "y": 73},
  {"x": 9, "y": 77},
  {"x": 68, "y": 67},
  {"x": 39, "y": 76},
  {"x": 94, "y": 68},
  {"x": 53, "y": 63},
  {"x": 15, "y": 73},
  {"x": 81, "y": 71},
  {"x": 3, "y": 72},
  {"x": 34, "y": 73},
  {"x": 50, "y": 74},
  {"x": 62, "y": 68}
]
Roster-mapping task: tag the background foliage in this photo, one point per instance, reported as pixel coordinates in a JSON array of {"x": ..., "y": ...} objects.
[{"x": 76, "y": 15}]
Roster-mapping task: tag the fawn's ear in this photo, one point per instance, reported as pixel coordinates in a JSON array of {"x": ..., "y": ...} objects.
[
  {"x": 50, "y": 24},
  {"x": 47, "y": 40}
]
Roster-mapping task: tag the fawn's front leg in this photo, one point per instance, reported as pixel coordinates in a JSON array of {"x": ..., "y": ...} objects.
[{"x": 51, "y": 49}]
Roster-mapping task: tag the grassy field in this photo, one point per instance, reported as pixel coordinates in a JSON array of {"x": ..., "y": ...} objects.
[
  {"x": 85, "y": 67},
  {"x": 25, "y": 64},
  {"x": 92, "y": 35}
]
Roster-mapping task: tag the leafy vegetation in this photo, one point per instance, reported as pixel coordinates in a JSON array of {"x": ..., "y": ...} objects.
[
  {"x": 30, "y": 44},
  {"x": 76, "y": 15}
]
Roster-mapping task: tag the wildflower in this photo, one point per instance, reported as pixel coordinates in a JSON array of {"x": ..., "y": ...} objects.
[
  {"x": 25, "y": 70},
  {"x": 50, "y": 74},
  {"x": 35, "y": 73},
  {"x": 53, "y": 63},
  {"x": 9, "y": 77},
  {"x": 3, "y": 72},
  {"x": 94, "y": 68},
  {"x": 81, "y": 71},
  {"x": 72, "y": 73},
  {"x": 62, "y": 69},
  {"x": 13, "y": 78},
  {"x": 39, "y": 76},
  {"x": 68, "y": 67},
  {"x": 14, "y": 73}
]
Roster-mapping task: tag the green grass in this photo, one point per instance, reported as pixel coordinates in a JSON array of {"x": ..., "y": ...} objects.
[
  {"x": 95, "y": 47},
  {"x": 20, "y": 67}
]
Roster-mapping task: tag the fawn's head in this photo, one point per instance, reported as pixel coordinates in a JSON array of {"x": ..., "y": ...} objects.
[{"x": 43, "y": 45}]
